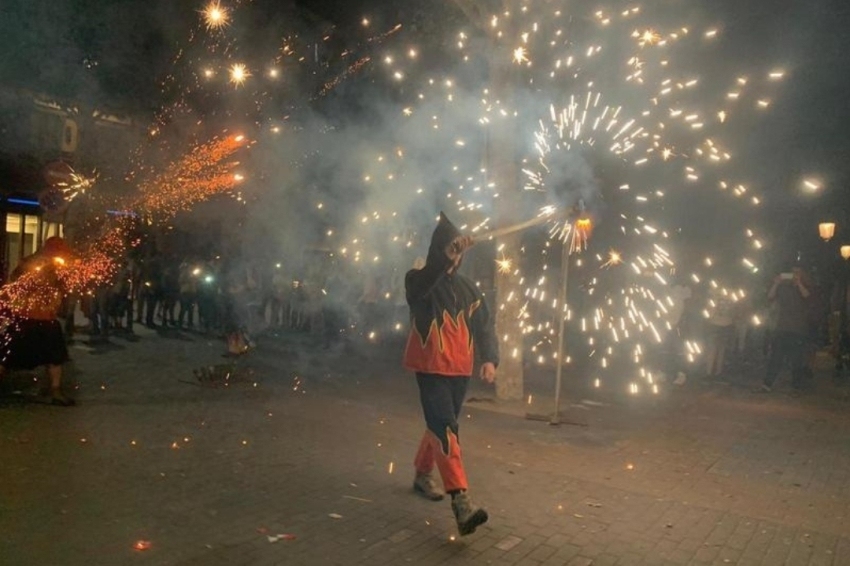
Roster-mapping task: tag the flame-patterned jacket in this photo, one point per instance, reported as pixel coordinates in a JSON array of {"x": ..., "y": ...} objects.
[{"x": 449, "y": 319}]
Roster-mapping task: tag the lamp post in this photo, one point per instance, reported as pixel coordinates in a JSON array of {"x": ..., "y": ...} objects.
[
  {"x": 842, "y": 317},
  {"x": 581, "y": 232},
  {"x": 826, "y": 230},
  {"x": 562, "y": 302}
]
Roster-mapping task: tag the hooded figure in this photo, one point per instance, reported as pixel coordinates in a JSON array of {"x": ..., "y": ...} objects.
[
  {"x": 444, "y": 234},
  {"x": 449, "y": 325},
  {"x": 449, "y": 316}
]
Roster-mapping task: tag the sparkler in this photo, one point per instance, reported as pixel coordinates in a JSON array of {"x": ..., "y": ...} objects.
[{"x": 493, "y": 234}]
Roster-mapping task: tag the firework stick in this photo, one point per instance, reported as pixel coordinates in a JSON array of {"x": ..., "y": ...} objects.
[{"x": 511, "y": 229}]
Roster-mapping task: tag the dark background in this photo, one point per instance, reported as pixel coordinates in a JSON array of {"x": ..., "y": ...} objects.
[{"x": 117, "y": 52}]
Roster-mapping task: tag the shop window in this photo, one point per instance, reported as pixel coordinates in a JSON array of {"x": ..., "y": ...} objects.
[
  {"x": 14, "y": 237},
  {"x": 24, "y": 235},
  {"x": 50, "y": 229},
  {"x": 30, "y": 242}
]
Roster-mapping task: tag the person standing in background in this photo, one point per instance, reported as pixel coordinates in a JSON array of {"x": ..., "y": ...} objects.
[
  {"x": 187, "y": 283},
  {"x": 680, "y": 294},
  {"x": 720, "y": 333},
  {"x": 790, "y": 292}
]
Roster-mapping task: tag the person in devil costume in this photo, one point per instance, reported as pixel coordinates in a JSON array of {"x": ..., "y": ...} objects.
[{"x": 450, "y": 325}]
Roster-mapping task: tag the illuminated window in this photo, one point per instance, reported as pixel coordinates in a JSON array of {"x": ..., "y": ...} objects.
[
  {"x": 24, "y": 235},
  {"x": 14, "y": 229}
]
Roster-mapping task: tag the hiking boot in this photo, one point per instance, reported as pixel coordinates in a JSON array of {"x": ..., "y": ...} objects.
[
  {"x": 468, "y": 515},
  {"x": 425, "y": 486}
]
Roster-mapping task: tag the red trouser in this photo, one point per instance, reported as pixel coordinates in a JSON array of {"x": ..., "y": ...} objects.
[{"x": 442, "y": 399}]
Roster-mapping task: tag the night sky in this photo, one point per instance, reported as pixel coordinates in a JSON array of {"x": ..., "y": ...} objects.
[{"x": 111, "y": 52}]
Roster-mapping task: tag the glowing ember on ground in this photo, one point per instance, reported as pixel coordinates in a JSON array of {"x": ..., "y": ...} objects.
[{"x": 142, "y": 545}]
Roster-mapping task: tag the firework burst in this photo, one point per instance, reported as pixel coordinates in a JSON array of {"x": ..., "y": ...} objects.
[
  {"x": 239, "y": 73},
  {"x": 215, "y": 15},
  {"x": 612, "y": 90}
]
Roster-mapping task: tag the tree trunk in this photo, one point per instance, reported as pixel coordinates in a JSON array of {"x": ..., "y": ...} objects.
[
  {"x": 509, "y": 380},
  {"x": 505, "y": 172}
]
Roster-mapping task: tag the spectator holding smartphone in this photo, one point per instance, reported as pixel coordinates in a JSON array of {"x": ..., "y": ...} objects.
[{"x": 791, "y": 292}]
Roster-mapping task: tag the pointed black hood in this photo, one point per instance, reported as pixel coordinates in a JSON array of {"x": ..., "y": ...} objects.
[{"x": 443, "y": 235}]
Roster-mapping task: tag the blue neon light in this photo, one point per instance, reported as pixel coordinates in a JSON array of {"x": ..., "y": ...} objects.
[{"x": 22, "y": 201}]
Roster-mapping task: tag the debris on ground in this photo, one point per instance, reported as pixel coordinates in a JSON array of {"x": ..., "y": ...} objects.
[{"x": 223, "y": 375}]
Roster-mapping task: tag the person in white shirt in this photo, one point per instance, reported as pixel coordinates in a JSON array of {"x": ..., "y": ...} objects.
[{"x": 720, "y": 329}]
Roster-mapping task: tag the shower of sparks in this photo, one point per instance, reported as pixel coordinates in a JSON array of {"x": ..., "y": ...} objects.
[
  {"x": 215, "y": 15},
  {"x": 45, "y": 281},
  {"x": 78, "y": 185},
  {"x": 205, "y": 170},
  {"x": 573, "y": 234},
  {"x": 619, "y": 87},
  {"x": 336, "y": 81}
]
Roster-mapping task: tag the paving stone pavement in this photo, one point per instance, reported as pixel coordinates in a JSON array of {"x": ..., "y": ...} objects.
[{"x": 318, "y": 446}]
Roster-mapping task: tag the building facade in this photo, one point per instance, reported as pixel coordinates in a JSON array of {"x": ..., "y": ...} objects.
[{"x": 42, "y": 141}]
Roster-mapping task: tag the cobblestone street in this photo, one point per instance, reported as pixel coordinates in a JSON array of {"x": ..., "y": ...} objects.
[{"x": 318, "y": 447}]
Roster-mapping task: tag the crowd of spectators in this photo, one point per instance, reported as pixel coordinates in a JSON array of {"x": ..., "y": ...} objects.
[{"x": 236, "y": 298}]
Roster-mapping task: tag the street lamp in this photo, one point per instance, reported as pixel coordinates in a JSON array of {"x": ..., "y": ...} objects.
[
  {"x": 841, "y": 347},
  {"x": 826, "y": 230}
]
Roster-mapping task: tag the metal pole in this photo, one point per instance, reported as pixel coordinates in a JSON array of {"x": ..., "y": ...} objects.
[
  {"x": 842, "y": 320},
  {"x": 562, "y": 301}
]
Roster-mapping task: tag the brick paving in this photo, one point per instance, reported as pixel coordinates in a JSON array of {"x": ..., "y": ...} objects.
[{"x": 321, "y": 447}]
